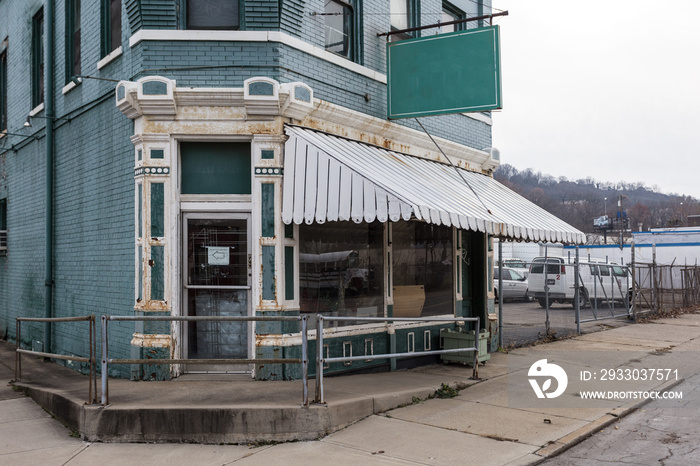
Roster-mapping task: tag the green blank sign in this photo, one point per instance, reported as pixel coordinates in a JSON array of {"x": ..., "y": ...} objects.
[{"x": 457, "y": 72}]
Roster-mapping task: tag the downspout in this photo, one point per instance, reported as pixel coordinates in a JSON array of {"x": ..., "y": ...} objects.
[{"x": 49, "y": 106}]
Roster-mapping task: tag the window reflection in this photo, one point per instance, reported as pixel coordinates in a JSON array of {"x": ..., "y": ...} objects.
[
  {"x": 338, "y": 24},
  {"x": 400, "y": 11},
  {"x": 341, "y": 269},
  {"x": 423, "y": 275}
]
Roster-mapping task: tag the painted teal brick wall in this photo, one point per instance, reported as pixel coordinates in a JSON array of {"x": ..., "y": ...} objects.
[
  {"x": 22, "y": 269},
  {"x": 262, "y": 15},
  {"x": 292, "y": 15},
  {"x": 190, "y": 63},
  {"x": 94, "y": 199},
  {"x": 94, "y": 222},
  {"x": 133, "y": 14},
  {"x": 22, "y": 179},
  {"x": 159, "y": 14},
  {"x": 166, "y": 14}
]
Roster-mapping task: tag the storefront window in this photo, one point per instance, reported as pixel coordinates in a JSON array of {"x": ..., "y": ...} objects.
[
  {"x": 341, "y": 269},
  {"x": 423, "y": 275}
]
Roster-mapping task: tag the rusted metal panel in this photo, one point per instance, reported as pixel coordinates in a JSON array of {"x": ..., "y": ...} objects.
[
  {"x": 365, "y": 182},
  {"x": 151, "y": 340}
]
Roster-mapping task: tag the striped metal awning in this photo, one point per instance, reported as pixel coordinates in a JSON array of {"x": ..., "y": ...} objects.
[{"x": 328, "y": 178}]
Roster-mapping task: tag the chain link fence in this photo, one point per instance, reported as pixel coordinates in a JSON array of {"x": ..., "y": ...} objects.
[
  {"x": 562, "y": 298},
  {"x": 553, "y": 297},
  {"x": 666, "y": 287}
]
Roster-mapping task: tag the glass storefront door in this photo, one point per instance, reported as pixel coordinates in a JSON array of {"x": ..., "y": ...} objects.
[{"x": 217, "y": 283}]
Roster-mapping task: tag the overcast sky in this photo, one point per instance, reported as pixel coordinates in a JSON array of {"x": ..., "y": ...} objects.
[{"x": 609, "y": 90}]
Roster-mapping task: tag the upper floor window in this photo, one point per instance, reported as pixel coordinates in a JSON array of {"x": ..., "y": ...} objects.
[
  {"x": 338, "y": 25},
  {"x": 111, "y": 26},
  {"x": 404, "y": 15},
  {"x": 451, "y": 13},
  {"x": 213, "y": 14},
  {"x": 38, "y": 58},
  {"x": 72, "y": 39},
  {"x": 3, "y": 90},
  {"x": 343, "y": 28}
]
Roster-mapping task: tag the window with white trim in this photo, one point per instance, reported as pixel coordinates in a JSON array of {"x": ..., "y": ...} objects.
[
  {"x": 338, "y": 17},
  {"x": 38, "y": 59},
  {"x": 404, "y": 15},
  {"x": 111, "y": 26},
  {"x": 451, "y": 13},
  {"x": 72, "y": 39},
  {"x": 343, "y": 28}
]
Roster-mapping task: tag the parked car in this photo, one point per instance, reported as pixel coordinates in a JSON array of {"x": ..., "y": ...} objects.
[
  {"x": 518, "y": 265},
  {"x": 515, "y": 285},
  {"x": 598, "y": 280}
]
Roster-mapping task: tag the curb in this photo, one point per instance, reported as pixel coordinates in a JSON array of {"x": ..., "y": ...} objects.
[
  {"x": 217, "y": 424},
  {"x": 578, "y": 436}
]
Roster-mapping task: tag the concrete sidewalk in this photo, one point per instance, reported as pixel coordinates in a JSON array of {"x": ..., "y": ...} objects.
[{"x": 373, "y": 418}]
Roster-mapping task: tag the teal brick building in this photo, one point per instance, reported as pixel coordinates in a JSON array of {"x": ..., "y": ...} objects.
[{"x": 216, "y": 158}]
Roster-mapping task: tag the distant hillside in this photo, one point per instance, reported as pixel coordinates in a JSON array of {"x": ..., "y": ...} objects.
[{"x": 579, "y": 202}]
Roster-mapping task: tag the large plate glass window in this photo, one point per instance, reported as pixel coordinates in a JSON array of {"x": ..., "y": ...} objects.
[
  {"x": 341, "y": 269},
  {"x": 423, "y": 283}
]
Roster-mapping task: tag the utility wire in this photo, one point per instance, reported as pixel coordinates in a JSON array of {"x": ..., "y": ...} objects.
[{"x": 459, "y": 172}]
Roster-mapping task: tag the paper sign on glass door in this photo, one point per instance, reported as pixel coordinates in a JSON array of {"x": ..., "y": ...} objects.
[{"x": 218, "y": 255}]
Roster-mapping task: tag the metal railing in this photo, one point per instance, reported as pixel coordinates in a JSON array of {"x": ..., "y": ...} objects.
[
  {"x": 321, "y": 360},
  {"x": 303, "y": 361},
  {"x": 92, "y": 380}
]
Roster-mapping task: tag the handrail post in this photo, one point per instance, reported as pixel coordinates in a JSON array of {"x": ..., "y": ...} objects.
[
  {"x": 94, "y": 359},
  {"x": 477, "y": 337},
  {"x": 318, "y": 398},
  {"x": 304, "y": 362},
  {"x": 577, "y": 301},
  {"x": 105, "y": 388},
  {"x": 18, "y": 362},
  {"x": 91, "y": 321}
]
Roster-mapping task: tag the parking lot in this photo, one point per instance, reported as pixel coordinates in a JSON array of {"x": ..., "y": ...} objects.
[{"x": 524, "y": 322}]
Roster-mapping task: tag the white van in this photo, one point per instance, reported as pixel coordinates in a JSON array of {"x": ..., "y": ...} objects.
[
  {"x": 598, "y": 281},
  {"x": 611, "y": 282}
]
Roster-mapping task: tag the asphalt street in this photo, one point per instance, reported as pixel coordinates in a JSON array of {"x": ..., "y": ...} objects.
[{"x": 661, "y": 433}]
